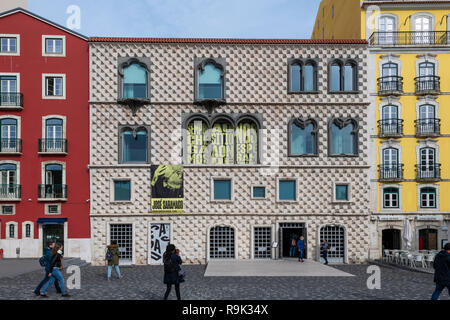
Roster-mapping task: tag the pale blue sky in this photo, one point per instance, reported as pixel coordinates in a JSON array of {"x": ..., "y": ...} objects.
[{"x": 186, "y": 18}]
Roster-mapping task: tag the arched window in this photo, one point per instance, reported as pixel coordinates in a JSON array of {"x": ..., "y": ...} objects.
[
  {"x": 350, "y": 77},
  {"x": 343, "y": 76},
  {"x": 247, "y": 142},
  {"x": 296, "y": 77},
  {"x": 210, "y": 81},
  {"x": 53, "y": 141},
  {"x": 54, "y": 187},
  {"x": 134, "y": 145},
  {"x": 427, "y": 164},
  {"x": 12, "y": 231},
  {"x": 28, "y": 230},
  {"x": 222, "y": 142},
  {"x": 9, "y": 188},
  {"x": 303, "y": 135},
  {"x": 344, "y": 137},
  {"x": 336, "y": 75},
  {"x": 135, "y": 81},
  {"x": 386, "y": 28},
  {"x": 390, "y": 198},
  {"x": 197, "y": 142},
  {"x": 302, "y": 75},
  {"x": 222, "y": 243},
  {"x": 309, "y": 77},
  {"x": 9, "y": 142}
]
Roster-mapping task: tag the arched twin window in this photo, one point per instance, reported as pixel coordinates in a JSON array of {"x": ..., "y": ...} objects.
[
  {"x": 133, "y": 78},
  {"x": 133, "y": 144},
  {"x": 303, "y": 137},
  {"x": 343, "y": 137},
  {"x": 209, "y": 77},
  {"x": 343, "y": 76},
  {"x": 222, "y": 141},
  {"x": 302, "y": 75}
]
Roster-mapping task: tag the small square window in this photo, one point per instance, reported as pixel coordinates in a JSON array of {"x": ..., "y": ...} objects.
[
  {"x": 342, "y": 192},
  {"x": 287, "y": 190},
  {"x": 7, "y": 209},
  {"x": 222, "y": 189},
  {"x": 53, "y": 209},
  {"x": 122, "y": 190},
  {"x": 259, "y": 192}
]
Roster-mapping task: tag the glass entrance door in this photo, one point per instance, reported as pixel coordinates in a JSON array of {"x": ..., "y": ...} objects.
[
  {"x": 54, "y": 232},
  {"x": 386, "y": 28},
  {"x": 53, "y": 181}
]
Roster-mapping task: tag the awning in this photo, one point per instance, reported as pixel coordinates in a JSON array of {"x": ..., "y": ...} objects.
[{"x": 51, "y": 220}]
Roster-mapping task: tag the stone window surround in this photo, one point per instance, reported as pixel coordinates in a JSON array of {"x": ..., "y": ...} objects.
[
  {"x": 258, "y": 186},
  {"x": 200, "y": 63},
  {"x": 44, "y": 47},
  {"x": 419, "y": 198},
  {"x": 44, "y": 86},
  {"x": 252, "y": 237},
  {"x": 24, "y": 228},
  {"x": 134, "y": 128},
  {"x": 344, "y": 122},
  {"x": 17, "y": 164},
  {"x": 422, "y": 14},
  {"x": 390, "y": 15},
  {"x": 53, "y": 116},
  {"x": 427, "y": 57},
  {"x": 342, "y": 62},
  {"x": 112, "y": 191},
  {"x": 400, "y": 198},
  {"x": 13, "y": 74},
  {"x": 16, "y": 230},
  {"x": 45, "y": 163},
  {"x": 7, "y": 205},
  {"x": 427, "y": 143},
  {"x": 388, "y": 144},
  {"x": 349, "y": 192},
  {"x": 390, "y": 101},
  {"x": 390, "y": 58},
  {"x": 122, "y": 63},
  {"x": 427, "y": 100},
  {"x": 208, "y": 240},
  {"x": 297, "y": 191},
  {"x": 303, "y": 62},
  {"x": 17, "y": 53},
  {"x": 46, "y": 208},
  {"x": 18, "y": 119},
  {"x": 233, "y": 118},
  {"x": 303, "y": 123},
  {"x": 214, "y": 178}
]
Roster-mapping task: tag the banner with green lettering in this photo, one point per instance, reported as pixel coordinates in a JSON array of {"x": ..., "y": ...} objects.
[{"x": 167, "y": 188}]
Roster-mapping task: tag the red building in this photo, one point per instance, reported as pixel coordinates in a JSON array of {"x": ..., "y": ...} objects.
[{"x": 44, "y": 126}]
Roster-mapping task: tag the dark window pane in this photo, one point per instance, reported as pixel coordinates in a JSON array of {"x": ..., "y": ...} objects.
[
  {"x": 302, "y": 140},
  {"x": 295, "y": 78},
  {"x": 335, "y": 77},
  {"x": 309, "y": 81},
  {"x": 210, "y": 82},
  {"x": 342, "y": 140},
  {"x": 122, "y": 190},
  {"x": 259, "y": 192},
  {"x": 341, "y": 192},
  {"x": 135, "y": 81},
  {"x": 222, "y": 189},
  {"x": 287, "y": 190},
  {"x": 134, "y": 148},
  {"x": 349, "y": 78}
]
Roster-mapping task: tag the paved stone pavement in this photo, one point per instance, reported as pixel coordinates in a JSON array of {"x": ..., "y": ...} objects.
[{"x": 145, "y": 282}]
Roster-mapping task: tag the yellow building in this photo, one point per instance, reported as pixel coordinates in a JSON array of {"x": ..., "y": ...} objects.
[{"x": 409, "y": 50}]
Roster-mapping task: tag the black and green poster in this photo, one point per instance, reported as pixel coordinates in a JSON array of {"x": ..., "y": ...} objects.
[{"x": 167, "y": 188}]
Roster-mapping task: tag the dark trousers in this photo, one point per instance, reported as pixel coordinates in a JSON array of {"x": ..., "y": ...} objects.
[
  {"x": 325, "y": 256},
  {"x": 44, "y": 281},
  {"x": 177, "y": 291},
  {"x": 438, "y": 291}
]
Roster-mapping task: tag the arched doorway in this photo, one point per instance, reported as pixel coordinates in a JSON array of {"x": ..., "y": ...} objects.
[
  {"x": 222, "y": 243},
  {"x": 428, "y": 239},
  {"x": 391, "y": 239},
  {"x": 335, "y": 236}
]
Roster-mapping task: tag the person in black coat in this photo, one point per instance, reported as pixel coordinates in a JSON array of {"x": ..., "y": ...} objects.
[
  {"x": 441, "y": 266},
  {"x": 172, "y": 262}
]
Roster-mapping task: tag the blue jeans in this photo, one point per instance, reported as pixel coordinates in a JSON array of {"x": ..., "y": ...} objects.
[
  {"x": 301, "y": 253},
  {"x": 292, "y": 252},
  {"x": 116, "y": 267},
  {"x": 56, "y": 275},
  {"x": 44, "y": 281},
  {"x": 438, "y": 291},
  {"x": 325, "y": 256}
]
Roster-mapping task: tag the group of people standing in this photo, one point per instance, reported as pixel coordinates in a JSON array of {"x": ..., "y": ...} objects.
[{"x": 300, "y": 246}]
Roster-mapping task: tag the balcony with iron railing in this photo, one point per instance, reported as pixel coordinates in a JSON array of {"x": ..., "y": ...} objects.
[
  {"x": 11, "y": 100},
  {"x": 428, "y": 84},
  {"x": 8, "y": 146},
  {"x": 10, "y": 192},
  {"x": 52, "y": 192},
  {"x": 52, "y": 146},
  {"x": 390, "y": 85},
  {"x": 428, "y": 173},
  {"x": 428, "y": 127},
  {"x": 390, "y": 173},
  {"x": 409, "y": 38},
  {"x": 390, "y": 128}
]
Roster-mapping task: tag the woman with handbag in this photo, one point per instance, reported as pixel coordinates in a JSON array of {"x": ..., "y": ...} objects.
[
  {"x": 112, "y": 256},
  {"x": 172, "y": 262},
  {"x": 55, "y": 273}
]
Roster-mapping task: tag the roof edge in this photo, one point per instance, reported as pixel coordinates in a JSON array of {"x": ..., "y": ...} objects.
[
  {"x": 228, "y": 40},
  {"x": 54, "y": 24}
]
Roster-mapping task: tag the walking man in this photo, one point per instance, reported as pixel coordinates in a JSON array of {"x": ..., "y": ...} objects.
[
  {"x": 325, "y": 247},
  {"x": 48, "y": 256},
  {"x": 301, "y": 248},
  {"x": 441, "y": 266}
]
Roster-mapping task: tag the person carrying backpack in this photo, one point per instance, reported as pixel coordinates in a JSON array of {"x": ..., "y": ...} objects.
[
  {"x": 55, "y": 273},
  {"x": 112, "y": 256},
  {"x": 172, "y": 262},
  {"x": 45, "y": 262}
]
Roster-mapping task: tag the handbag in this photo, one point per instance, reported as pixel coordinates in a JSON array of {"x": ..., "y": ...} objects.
[{"x": 181, "y": 275}]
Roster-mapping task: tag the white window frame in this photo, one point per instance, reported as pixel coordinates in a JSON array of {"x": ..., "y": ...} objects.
[
  {"x": 419, "y": 197},
  {"x": 7, "y": 205},
  {"x": 349, "y": 192},
  {"x": 24, "y": 230},
  {"x": 297, "y": 184},
  {"x": 112, "y": 191},
  {"x": 47, "y": 211},
  {"x": 17, "y": 36},
  {"x": 44, "y": 47},
  {"x": 258, "y": 186},
  {"x": 397, "y": 186},
  {"x": 16, "y": 230},
  {"x": 214, "y": 178},
  {"x": 44, "y": 86}
]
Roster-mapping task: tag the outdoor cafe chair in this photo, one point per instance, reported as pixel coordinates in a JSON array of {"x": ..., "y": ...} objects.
[{"x": 419, "y": 258}]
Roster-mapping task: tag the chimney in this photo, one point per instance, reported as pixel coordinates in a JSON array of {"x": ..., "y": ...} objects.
[{"x": 6, "y": 5}]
